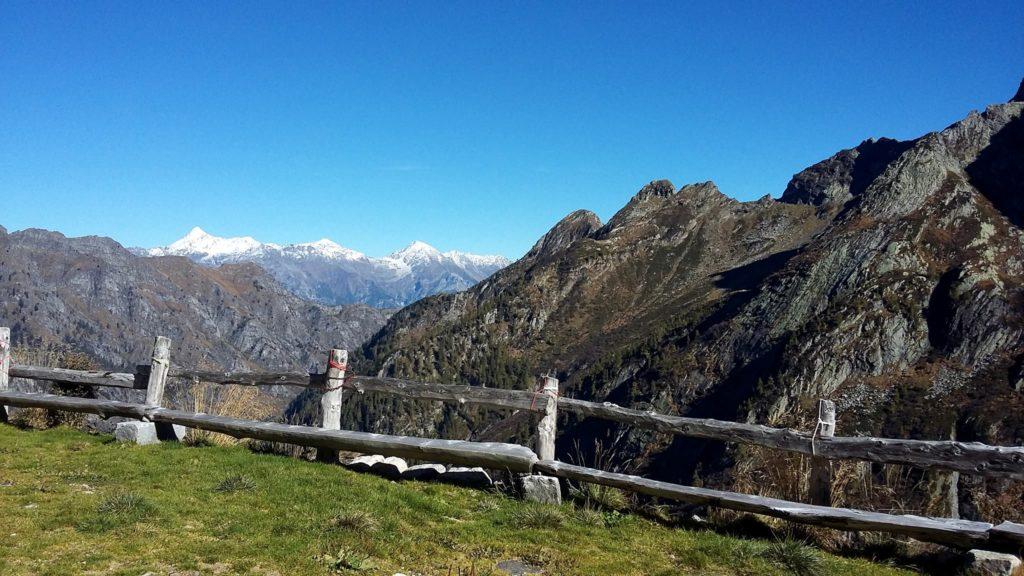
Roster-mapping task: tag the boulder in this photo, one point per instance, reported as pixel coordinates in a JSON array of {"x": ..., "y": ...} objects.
[
  {"x": 423, "y": 472},
  {"x": 390, "y": 467},
  {"x": 545, "y": 489},
  {"x": 364, "y": 463},
  {"x": 475, "y": 477},
  {"x": 136, "y": 432},
  {"x": 985, "y": 563}
]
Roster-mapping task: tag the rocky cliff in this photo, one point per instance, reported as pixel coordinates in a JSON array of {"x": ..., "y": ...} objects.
[{"x": 888, "y": 277}]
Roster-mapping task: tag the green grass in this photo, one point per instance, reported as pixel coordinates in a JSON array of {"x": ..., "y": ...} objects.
[{"x": 78, "y": 504}]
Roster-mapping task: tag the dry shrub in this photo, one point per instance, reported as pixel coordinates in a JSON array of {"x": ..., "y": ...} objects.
[
  {"x": 243, "y": 402},
  {"x": 54, "y": 357}
]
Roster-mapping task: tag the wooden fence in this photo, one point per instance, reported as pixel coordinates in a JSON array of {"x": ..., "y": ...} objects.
[{"x": 821, "y": 444}]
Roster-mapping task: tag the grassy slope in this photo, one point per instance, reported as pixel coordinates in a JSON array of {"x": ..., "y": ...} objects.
[{"x": 53, "y": 484}]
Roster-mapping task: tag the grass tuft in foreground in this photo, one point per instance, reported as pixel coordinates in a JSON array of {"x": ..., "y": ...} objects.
[{"x": 75, "y": 504}]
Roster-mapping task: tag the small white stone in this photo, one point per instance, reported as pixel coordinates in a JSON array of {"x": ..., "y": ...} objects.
[
  {"x": 423, "y": 472},
  {"x": 141, "y": 433},
  {"x": 545, "y": 489},
  {"x": 364, "y": 463},
  {"x": 985, "y": 563},
  {"x": 390, "y": 467},
  {"x": 467, "y": 477}
]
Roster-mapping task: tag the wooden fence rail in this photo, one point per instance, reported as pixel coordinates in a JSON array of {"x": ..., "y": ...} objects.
[
  {"x": 969, "y": 457},
  {"x": 821, "y": 444}
]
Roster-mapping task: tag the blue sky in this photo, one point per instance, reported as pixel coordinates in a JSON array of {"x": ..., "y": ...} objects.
[{"x": 470, "y": 125}]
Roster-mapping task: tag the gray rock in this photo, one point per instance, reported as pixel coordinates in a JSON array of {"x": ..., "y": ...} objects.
[
  {"x": 364, "y": 463},
  {"x": 423, "y": 472},
  {"x": 545, "y": 489},
  {"x": 985, "y": 563},
  {"x": 390, "y": 467},
  {"x": 518, "y": 568},
  {"x": 475, "y": 477},
  {"x": 141, "y": 433}
]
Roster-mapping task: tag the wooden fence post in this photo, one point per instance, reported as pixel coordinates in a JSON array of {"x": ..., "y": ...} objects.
[
  {"x": 547, "y": 428},
  {"x": 160, "y": 365},
  {"x": 330, "y": 401},
  {"x": 5, "y": 366},
  {"x": 820, "y": 482}
]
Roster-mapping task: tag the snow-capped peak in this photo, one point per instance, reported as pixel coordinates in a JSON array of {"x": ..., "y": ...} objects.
[
  {"x": 415, "y": 252},
  {"x": 199, "y": 242},
  {"x": 326, "y": 248},
  {"x": 324, "y": 270},
  {"x": 464, "y": 259}
]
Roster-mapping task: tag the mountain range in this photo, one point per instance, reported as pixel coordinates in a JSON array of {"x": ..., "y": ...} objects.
[
  {"x": 326, "y": 272},
  {"x": 93, "y": 295},
  {"x": 888, "y": 277}
]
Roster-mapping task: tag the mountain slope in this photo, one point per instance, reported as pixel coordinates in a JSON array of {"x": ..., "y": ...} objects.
[
  {"x": 887, "y": 277},
  {"x": 97, "y": 296},
  {"x": 332, "y": 274}
]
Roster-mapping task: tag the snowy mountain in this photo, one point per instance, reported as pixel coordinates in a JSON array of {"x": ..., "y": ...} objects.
[{"x": 327, "y": 272}]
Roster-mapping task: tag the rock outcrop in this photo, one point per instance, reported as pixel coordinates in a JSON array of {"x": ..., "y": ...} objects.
[{"x": 888, "y": 278}]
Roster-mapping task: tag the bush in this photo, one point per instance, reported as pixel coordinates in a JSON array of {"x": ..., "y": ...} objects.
[
  {"x": 54, "y": 357},
  {"x": 795, "y": 556},
  {"x": 235, "y": 483},
  {"x": 357, "y": 520},
  {"x": 537, "y": 516},
  {"x": 117, "y": 509}
]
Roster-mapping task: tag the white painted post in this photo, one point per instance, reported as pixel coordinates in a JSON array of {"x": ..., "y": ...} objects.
[
  {"x": 820, "y": 482},
  {"x": 547, "y": 428},
  {"x": 161, "y": 364},
  {"x": 330, "y": 401},
  {"x": 5, "y": 366}
]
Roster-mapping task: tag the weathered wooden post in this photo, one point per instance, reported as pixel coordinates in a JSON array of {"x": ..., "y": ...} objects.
[
  {"x": 820, "y": 483},
  {"x": 330, "y": 401},
  {"x": 152, "y": 432},
  {"x": 5, "y": 366},
  {"x": 160, "y": 365},
  {"x": 547, "y": 428}
]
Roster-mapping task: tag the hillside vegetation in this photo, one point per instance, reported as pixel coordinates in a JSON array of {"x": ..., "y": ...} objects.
[{"x": 79, "y": 504}]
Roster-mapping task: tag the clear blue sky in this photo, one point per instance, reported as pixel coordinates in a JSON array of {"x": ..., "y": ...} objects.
[{"x": 470, "y": 125}]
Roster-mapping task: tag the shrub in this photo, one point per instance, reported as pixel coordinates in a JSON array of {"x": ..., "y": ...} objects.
[
  {"x": 243, "y": 402},
  {"x": 117, "y": 509},
  {"x": 356, "y": 520},
  {"x": 235, "y": 483},
  {"x": 795, "y": 556},
  {"x": 538, "y": 516}
]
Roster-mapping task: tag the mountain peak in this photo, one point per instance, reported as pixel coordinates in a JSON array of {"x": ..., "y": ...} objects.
[
  {"x": 417, "y": 251},
  {"x": 1019, "y": 96},
  {"x": 578, "y": 224},
  {"x": 659, "y": 188}
]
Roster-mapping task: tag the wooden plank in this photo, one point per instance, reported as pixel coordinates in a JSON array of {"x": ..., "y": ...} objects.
[
  {"x": 249, "y": 378},
  {"x": 89, "y": 377},
  {"x": 5, "y": 367},
  {"x": 104, "y": 408},
  {"x": 967, "y": 457},
  {"x": 492, "y": 455},
  {"x": 820, "y": 480},
  {"x": 1008, "y": 536},
  {"x": 452, "y": 393},
  {"x": 958, "y": 533},
  {"x": 158, "y": 371},
  {"x": 547, "y": 427}
]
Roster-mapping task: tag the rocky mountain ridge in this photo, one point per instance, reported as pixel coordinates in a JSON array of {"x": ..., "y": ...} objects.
[
  {"x": 888, "y": 277},
  {"x": 95, "y": 296},
  {"x": 327, "y": 272}
]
